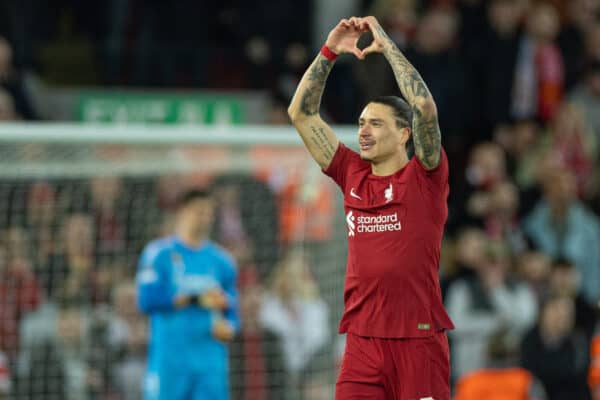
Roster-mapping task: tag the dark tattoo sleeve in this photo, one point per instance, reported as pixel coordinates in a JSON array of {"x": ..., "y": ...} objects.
[
  {"x": 427, "y": 138},
  {"x": 426, "y": 130},
  {"x": 317, "y": 75},
  {"x": 408, "y": 78}
]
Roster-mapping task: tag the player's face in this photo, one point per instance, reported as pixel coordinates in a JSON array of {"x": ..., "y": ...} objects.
[
  {"x": 199, "y": 214},
  {"x": 379, "y": 137}
]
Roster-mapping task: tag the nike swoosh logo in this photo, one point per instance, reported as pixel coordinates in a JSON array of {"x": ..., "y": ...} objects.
[{"x": 352, "y": 194}]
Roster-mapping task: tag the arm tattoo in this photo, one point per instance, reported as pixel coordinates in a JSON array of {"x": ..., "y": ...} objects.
[
  {"x": 321, "y": 142},
  {"x": 408, "y": 78},
  {"x": 317, "y": 75},
  {"x": 427, "y": 138},
  {"x": 426, "y": 131}
]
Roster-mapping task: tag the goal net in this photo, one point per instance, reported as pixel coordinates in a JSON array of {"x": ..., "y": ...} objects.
[{"x": 79, "y": 202}]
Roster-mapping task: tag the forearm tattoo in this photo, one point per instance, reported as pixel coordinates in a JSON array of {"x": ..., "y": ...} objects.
[
  {"x": 427, "y": 138},
  {"x": 317, "y": 75},
  {"x": 426, "y": 130},
  {"x": 408, "y": 78},
  {"x": 321, "y": 142}
]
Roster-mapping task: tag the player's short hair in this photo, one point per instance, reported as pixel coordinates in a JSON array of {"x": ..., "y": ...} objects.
[
  {"x": 402, "y": 113},
  {"x": 190, "y": 195}
]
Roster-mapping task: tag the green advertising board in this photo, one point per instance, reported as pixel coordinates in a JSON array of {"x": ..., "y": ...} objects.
[{"x": 124, "y": 107}]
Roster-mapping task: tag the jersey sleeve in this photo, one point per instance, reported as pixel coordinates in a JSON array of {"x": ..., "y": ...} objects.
[
  {"x": 433, "y": 185},
  {"x": 339, "y": 167},
  {"x": 439, "y": 175},
  {"x": 155, "y": 292},
  {"x": 229, "y": 284}
]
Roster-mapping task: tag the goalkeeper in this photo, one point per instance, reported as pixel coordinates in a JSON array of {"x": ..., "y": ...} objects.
[{"x": 187, "y": 285}]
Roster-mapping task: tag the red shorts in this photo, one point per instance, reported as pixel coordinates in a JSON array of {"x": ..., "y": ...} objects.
[{"x": 395, "y": 369}]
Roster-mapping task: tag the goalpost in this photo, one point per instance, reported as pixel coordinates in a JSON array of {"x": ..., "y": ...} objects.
[{"x": 78, "y": 202}]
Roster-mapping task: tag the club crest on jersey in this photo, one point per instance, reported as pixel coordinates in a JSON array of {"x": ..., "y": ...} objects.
[{"x": 388, "y": 193}]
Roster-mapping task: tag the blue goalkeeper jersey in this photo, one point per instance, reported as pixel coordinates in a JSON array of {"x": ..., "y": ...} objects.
[{"x": 181, "y": 339}]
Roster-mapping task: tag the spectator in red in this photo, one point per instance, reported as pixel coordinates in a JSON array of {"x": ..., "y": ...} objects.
[
  {"x": 539, "y": 74},
  {"x": 20, "y": 292}
]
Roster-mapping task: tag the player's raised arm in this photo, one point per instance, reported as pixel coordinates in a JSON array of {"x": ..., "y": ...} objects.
[
  {"x": 426, "y": 131},
  {"x": 319, "y": 138}
]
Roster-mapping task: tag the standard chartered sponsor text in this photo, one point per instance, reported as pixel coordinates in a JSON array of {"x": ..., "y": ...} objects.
[{"x": 379, "y": 223}]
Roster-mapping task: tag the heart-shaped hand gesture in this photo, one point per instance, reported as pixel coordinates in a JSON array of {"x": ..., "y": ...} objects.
[
  {"x": 379, "y": 35},
  {"x": 344, "y": 37}
]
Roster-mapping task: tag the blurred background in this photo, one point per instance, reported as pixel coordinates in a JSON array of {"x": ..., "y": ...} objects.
[{"x": 111, "y": 108}]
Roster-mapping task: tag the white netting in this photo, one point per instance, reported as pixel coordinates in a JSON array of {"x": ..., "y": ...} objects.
[{"x": 77, "y": 204}]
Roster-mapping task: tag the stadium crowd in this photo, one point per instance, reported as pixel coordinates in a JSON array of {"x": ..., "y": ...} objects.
[{"x": 517, "y": 85}]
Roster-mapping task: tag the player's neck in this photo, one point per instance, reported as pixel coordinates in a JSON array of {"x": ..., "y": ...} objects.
[
  {"x": 389, "y": 166},
  {"x": 191, "y": 238}
]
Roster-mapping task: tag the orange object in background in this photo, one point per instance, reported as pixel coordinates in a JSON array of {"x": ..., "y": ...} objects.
[{"x": 495, "y": 384}]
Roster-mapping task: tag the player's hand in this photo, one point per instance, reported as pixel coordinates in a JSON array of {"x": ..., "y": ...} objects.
[
  {"x": 213, "y": 299},
  {"x": 344, "y": 37},
  {"x": 371, "y": 24},
  {"x": 181, "y": 300},
  {"x": 222, "y": 330}
]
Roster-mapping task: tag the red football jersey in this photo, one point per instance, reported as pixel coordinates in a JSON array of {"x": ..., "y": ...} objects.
[{"x": 395, "y": 227}]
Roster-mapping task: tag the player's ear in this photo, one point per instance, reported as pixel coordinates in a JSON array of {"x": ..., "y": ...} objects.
[{"x": 406, "y": 132}]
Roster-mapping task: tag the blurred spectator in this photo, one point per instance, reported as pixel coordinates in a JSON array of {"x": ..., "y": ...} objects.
[
  {"x": 399, "y": 17},
  {"x": 565, "y": 280},
  {"x": 254, "y": 235},
  {"x": 258, "y": 371},
  {"x": 42, "y": 222},
  {"x": 486, "y": 167},
  {"x": 5, "y": 382},
  {"x": 492, "y": 78},
  {"x": 586, "y": 96},
  {"x": 498, "y": 209},
  {"x": 295, "y": 313},
  {"x": 65, "y": 359},
  {"x": 562, "y": 226},
  {"x": 12, "y": 83},
  {"x": 581, "y": 17},
  {"x": 73, "y": 274},
  {"x": 572, "y": 145},
  {"x": 231, "y": 232},
  {"x": 470, "y": 248},
  {"x": 109, "y": 215},
  {"x": 592, "y": 40},
  {"x": 491, "y": 311},
  {"x": 556, "y": 353},
  {"x": 534, "y": 267},
  {"x": 524, "y": 141},
  {"x": 539, "y": 74},
  {"x": 127, "y": 337},
  {"x": 20, "y": 292}
]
